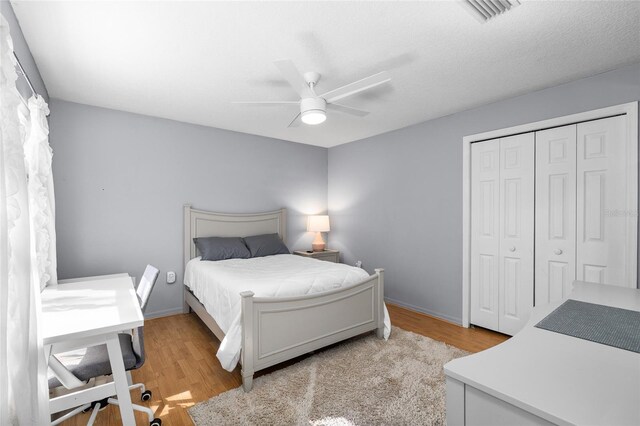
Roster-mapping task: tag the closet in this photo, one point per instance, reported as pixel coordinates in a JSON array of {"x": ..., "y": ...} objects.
[{"x": 547, "y": 208}]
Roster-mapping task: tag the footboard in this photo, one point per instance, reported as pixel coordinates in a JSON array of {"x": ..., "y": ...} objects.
[{"x": 278, "y": 329}]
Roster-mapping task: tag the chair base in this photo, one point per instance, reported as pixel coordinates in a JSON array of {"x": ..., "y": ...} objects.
[
  {"x": 102, "y": 404},
  {"x": 70, "y": 414},
  {"x": 147, "y": 410}
]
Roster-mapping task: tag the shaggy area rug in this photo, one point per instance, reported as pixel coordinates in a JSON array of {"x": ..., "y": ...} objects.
[{"x": 364, "y": 381}]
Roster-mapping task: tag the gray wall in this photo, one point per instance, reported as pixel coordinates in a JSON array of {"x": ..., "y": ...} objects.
[
  {"x": 24, "y": 55},
  {"x": 395, "y": 199},
  {"x": 121, "y": 180}
]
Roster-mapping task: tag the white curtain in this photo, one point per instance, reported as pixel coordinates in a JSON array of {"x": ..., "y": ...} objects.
[
  {"x": 38, "y": 156},
  {"x": 23, "y": 384}
]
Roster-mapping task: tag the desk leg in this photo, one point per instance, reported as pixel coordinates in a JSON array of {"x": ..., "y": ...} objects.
[
  {"x": 120, "y": 380},
  {"x": 48, "y": 350}
]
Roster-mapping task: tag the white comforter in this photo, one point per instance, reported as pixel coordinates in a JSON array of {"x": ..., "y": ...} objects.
[{"x": 218, "y": 285}]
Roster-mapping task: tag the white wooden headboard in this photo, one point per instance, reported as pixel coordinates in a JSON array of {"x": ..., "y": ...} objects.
[{"x": 201, "y": 223}]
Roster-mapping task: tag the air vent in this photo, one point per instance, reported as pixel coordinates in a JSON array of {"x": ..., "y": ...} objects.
[{"x": 487, "y": 9}]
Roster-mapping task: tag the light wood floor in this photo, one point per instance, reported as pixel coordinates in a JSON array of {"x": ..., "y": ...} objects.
[{"x": 181, "y": 368}]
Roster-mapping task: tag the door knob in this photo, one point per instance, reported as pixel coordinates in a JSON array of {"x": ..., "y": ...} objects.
[
  {"x": 512, "y": 248},
  {"x": 558, "y": 251}
]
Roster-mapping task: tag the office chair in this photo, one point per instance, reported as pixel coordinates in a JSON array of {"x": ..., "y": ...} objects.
[{"x": 76, "y": 368}]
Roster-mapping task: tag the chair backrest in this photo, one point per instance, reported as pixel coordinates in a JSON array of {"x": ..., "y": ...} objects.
[{"x": 146, "y": 284}]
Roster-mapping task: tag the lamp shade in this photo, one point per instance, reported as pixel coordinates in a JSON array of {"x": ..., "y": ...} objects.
[{"x": 319, "y": 223}]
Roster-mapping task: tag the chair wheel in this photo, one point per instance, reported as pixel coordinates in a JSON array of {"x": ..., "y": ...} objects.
[
  {"x": 155, "y": 422},
  {"x": 146, "y": 396}
]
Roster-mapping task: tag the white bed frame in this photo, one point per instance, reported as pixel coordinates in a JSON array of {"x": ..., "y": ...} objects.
[{"x": 278, "y": 329}]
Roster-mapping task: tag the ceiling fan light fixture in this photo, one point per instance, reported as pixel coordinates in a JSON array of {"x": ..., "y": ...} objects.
[
  {"x": 314, "y": 116},
  {"x": 313, "y": 110}
]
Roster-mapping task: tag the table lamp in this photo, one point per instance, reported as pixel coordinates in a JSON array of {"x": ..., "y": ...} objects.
[{"x": 318, "y": 224}]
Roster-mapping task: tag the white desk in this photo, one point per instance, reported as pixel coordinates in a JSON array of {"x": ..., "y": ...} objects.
[
  {"x": 542, "y": 377},
  {"x": 82, "y": 313},
  {"x": 94, "y": 278}
]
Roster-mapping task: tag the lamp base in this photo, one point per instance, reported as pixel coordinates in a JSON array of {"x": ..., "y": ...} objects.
[
  {"x": 318, "y": 244},
  {"x": 318, "y": 247}
]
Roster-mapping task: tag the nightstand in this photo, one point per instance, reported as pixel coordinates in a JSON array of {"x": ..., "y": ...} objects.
[{"x": 328, "y": 255}]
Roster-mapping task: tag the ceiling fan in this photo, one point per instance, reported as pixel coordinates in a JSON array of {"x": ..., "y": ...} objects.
[{"x": 313, "y": 107}]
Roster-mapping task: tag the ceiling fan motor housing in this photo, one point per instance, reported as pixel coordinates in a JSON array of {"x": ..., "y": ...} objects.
[
  {"x": 313, "y": 110},
  {"x": 308, "y": 105}
]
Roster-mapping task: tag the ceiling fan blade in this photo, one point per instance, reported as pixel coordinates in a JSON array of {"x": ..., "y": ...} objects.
[
  {"x": 295, "y": 122},
  {"x": 267, "y": 102},
  {"x": 293, "y": 76},
  {"x": 348, "y": 110},
  {"x": 356, "y": 87}
]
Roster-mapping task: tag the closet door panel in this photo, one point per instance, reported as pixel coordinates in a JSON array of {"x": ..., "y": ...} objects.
[
  {"x": 555, "y": 246},
  {"x": 485, "y": 239},
  {"x": 601, "y": 202},
  {"x": 516, "y": 231}
]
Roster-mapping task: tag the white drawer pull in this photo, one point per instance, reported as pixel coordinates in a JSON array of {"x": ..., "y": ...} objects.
[{"x": 558, "y": 252}]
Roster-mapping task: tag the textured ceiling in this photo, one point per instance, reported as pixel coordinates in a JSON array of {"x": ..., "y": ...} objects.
[{"x": 188, "y": 61}]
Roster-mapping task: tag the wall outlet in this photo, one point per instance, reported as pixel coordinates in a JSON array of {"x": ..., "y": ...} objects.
[
  {"x": 171, "y": 277},
  {"x": 359, "y": 264}
]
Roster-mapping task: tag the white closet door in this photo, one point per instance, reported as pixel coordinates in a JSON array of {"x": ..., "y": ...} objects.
[
  {"x": 601, "y": 202},
  {"x": 516, "y": 231},
  {"x": 555, "y": 241},
  {"x": 485, "y": 233}
]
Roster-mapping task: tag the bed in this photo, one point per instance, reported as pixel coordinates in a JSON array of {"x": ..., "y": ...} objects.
[{"x": 262, "y": 322}]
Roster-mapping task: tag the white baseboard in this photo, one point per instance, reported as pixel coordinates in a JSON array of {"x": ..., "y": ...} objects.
[
  {"x": 163, "y": 313},
  {"x": 430, "y": 312}
]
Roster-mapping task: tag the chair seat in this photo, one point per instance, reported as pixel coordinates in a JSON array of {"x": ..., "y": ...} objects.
[{"x": 94, "y": 361}]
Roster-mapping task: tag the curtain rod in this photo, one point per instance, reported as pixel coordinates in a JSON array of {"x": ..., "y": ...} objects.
[{"x": 25, "y": 74}]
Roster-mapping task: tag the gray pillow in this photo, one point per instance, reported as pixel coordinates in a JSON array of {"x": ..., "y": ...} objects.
[
  {"x": 220, "y": 248},
  {"x": 265, "y": 245}
]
